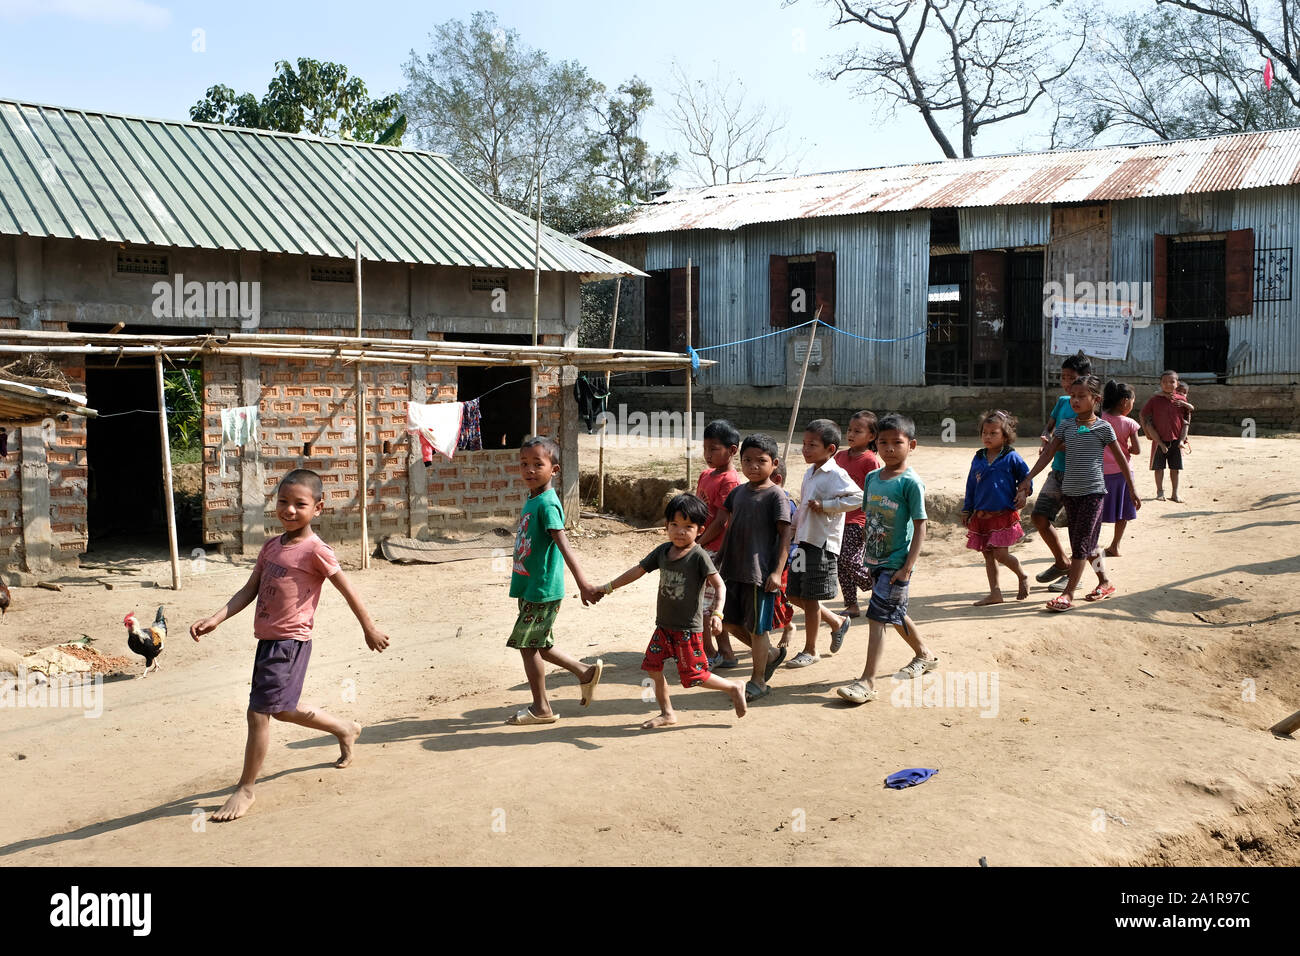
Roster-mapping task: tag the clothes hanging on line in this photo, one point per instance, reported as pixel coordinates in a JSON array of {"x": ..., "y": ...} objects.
[
  {"x": 239, "y": 425},
  {"x": 471, "y": 430},
  {"x": 591, "y": 393},
  {"x": 438, "y": 426}
]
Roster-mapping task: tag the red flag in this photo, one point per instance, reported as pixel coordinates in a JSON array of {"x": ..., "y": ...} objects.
[{"x": 1268, "y": 74}]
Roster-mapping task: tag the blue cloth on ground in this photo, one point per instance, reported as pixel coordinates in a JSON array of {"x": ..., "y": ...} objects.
[{"x": 908, "y": 778}]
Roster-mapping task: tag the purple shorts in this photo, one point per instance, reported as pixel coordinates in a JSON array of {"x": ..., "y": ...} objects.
[{"x": 279, "y": 670}]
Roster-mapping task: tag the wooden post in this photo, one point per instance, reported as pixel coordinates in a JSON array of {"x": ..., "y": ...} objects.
[
  {"x": 689, "y": 376},
  {"x": 604, "y": 422},
  {"x": 537, "y": 298},
  {"x": 361, "y": 435},
  {"x": 167, "y": 475},
  {"x": 798, "y": 397},
  {"x": 1288, "y": 726}
]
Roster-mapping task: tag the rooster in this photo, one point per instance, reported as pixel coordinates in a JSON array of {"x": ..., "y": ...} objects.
[{"x": 147, "y": 643}]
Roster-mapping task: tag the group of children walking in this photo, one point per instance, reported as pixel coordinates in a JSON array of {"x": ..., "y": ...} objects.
[{"x": 741, "y": 554}]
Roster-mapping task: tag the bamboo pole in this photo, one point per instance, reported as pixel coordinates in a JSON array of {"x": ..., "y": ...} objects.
[
  {"x": 798, "y": 397},
  {"x": 361, "y": 435},
  {"x": 604, "y": 422},
  {"x": 537, "y": 298},
  {"x": 1287, "y": 726},
  {"x": 689, "y": 436},
  {"x": 167, "y": 476}
]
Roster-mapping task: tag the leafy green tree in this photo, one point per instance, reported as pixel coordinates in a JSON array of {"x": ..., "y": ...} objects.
[{"x": 314, "y": 97}]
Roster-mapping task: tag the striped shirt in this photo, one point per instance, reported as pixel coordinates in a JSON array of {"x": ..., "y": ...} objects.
[{"x": 1085, "y": 449}]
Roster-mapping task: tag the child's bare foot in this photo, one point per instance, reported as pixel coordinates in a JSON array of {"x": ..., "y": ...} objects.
[
  {"x": 737, "y": 692},
  {"x": 1023, "y": 592},
  {"x": 994, "y": 597},
  {"x": 1112, "y": 552},
  {"x": 1177, "y": 499},
  {"x": 660, "y": 720},
  {"x": 345, "y": 746},
  {"x": 236, "y": 806}
]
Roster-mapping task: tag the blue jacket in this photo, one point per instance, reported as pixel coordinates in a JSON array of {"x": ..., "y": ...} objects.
[{"x": 991, "y": 486}]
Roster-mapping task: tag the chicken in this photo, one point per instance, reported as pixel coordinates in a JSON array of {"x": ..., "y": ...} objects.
[
  {"x": 4, "y": 599},
  {"x": 148, "y": 643}
]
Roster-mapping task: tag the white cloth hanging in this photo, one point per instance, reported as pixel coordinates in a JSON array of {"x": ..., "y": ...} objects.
[
  {"x": 239, "y": 425},
  {"x": 438, "y": 424}
]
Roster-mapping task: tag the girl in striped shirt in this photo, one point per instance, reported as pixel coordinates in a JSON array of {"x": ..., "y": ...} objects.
[{"x": 1084, "y": 439}]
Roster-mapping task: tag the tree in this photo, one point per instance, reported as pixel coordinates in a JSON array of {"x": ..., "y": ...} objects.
[
  {"x": 317, "y": 97},
  {"x": 965, "y": 64},
  {"x": 618, "y": 154},
  {"x": 1172, "y": 74},
  {"x": 724, "y": 137},
  {"x": 501, "y": 111}
]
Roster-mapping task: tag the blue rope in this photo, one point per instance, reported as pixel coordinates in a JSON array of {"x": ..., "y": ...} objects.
[{"x": 695, "y": 353}]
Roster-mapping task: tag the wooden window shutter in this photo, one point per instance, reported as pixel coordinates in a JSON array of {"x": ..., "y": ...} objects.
[
  {"x": 1160, "y": 277},
  {"x": 778, "y": 290},
  {"x": 1240, "y": 262},
  {"x": 825, "y": 286},
  {"x": 677, "y": 315}
]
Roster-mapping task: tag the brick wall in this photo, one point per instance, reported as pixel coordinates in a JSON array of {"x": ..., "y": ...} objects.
[{"x": 308, "y": 399}]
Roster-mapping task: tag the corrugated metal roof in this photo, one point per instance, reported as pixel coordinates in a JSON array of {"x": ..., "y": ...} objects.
[
  {"x": 71, "y": 174},
  {"x": 1214, "y": 164}
]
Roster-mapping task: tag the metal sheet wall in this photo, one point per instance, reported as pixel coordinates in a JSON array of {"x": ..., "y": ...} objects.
[
  {"x": 1004, "y": 227},
  {"x": 882, "y": 269}
]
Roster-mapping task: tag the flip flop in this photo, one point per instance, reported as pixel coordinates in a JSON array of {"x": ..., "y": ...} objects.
[
  {"x": 526, "y": 716},
  {"x": 837, "y": 639},
  {"x": 774, "y": 663},
  {"x": 753, "y": 692},
  {"x": 1100, "y": 593},
  {"x": 1061, "y": 603},
  {"x": 856, "y": 693},
  {"x": 852, "y": 610},
  {"x": 589, "y": 689}
]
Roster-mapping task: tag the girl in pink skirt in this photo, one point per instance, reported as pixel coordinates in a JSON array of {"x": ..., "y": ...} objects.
[
  {"x": 1117, "y": 402},
  {"x": 991, "y": 511}
]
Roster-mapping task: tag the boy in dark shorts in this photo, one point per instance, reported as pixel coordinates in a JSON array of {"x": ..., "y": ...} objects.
[
  {"x": 538, "y": 582},
  {"x": 1165, "y": 419},
  {"x": 893, "y": 500},
  {"x": 286, "y": 581},
  {"x": 683, "y": 568},
  {"x": 753, "y": 557},
  {"x": 721, "y": 445},
  {"x": 828, "y": 494},
  {"x": 1049, "y": 502}
]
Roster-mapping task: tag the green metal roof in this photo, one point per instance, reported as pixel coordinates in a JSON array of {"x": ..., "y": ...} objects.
[{"x": 72, "y": 174}]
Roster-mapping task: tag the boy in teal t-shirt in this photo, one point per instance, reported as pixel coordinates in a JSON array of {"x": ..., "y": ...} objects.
[
  {"x": 893, "y": 502},
  {"x": 1049, "y": 502},
  {"x": 538, "y": 582}
]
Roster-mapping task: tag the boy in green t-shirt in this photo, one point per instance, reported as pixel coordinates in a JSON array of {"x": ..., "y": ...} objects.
[
  {"x": 893, "y": 500},
  {"x": 538, "y": 582}
]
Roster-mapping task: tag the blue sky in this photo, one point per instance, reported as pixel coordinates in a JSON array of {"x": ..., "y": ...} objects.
[{"x": 139, "y": 58}]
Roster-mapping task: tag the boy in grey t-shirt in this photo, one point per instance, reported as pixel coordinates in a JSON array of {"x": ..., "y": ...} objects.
[{"x": 683, "y": 568}]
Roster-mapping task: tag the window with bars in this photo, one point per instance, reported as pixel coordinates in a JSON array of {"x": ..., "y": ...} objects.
[
  {"x": 132, "y": 262},
  {"x": 488, "y": 281},
  {"x": 321, "y": 272}
]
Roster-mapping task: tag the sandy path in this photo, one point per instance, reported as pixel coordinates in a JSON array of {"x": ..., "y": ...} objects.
[{"x": 1206, "y": 601}]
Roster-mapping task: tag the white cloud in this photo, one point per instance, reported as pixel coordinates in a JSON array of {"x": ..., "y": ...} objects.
[{"x": 129, "y": 12}]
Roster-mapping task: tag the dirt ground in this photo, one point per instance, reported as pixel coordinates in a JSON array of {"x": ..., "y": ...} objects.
[{"x": 1132, "y": 731}]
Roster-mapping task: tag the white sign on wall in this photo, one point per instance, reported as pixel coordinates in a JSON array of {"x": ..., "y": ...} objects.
[
  {"x": 1101, "y": 329},
  {"x": 801, "y": 351}
]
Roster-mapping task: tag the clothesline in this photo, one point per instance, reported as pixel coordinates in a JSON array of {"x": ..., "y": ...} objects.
[{"x": 695, "y": 353}]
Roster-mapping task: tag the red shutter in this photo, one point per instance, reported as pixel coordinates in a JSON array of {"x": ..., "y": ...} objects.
[
  {"x": 778, "y": 291},
  {"x": 825, "y": 286},
  {"x": 1240, "y": 261},
  {"x": 1160, "y": 278}
]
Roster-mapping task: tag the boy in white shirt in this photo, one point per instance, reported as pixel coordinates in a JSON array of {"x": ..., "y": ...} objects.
[{"x": 827, "y": 494}]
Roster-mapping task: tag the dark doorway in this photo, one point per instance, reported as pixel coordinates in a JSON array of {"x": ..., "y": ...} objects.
[
  {"x": 506, "y": 411},
  {"x": 1196, "y": 335},
  {"x": 947, "y": 344},
  {"x": 1024, "y": 335},
  {"x": 665, "y": 317}
]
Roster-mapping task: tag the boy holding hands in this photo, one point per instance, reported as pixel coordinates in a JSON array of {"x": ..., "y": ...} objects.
[
  {"x": 721, "y": 441},
  {"x": 894, "y": 503}
]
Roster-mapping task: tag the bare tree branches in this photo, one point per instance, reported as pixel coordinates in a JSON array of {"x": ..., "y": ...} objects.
[
  {"x": 725, "y": 137},
  {"x": 962, "y": 64}
]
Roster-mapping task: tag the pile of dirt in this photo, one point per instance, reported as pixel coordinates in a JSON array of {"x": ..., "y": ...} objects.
[
  {"x": 187, "y": 480},
  {"x": 99, "y": 663},
  {"x": 638, "y": 499}
]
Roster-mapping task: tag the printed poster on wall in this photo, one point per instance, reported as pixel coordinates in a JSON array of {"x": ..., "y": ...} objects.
[{"x": 1100, "y": 329}]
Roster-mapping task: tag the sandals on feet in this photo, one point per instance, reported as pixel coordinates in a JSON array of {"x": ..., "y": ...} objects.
[
  {"x": 753, "y": 692},
  {"x": 856, "y": 693},
  {"x": 1100, "y": 593},
  {"x": 1051, "y": 574},
  {"x": 837, "y": 639},
  {"x": 918, "y": 666},
  {"x": 526, "y": 716},
  {"x": 852, "y": 610},
  {"x": 774, "y": 663},
  {"x": 1061, "y": 603},
  {"x": 589, "y": 689},
  {"x": 803, "y": 659}
]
